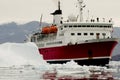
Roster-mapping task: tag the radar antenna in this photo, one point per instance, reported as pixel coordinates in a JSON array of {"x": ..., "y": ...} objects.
[{"x": 81, "y": 6}]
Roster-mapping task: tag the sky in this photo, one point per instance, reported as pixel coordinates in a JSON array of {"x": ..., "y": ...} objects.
[{"x": 23, "y": 11}]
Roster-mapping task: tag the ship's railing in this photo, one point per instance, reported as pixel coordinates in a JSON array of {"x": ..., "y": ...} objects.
[
  {"x": 92, "y": 20},
  {"x": 99, "y": 40},
  {"x": 43, "y": 37},
  {"x": 99, "y": 26}
]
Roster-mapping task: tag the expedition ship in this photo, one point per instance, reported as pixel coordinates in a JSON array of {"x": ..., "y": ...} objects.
[{"x": 86, "y": 42}]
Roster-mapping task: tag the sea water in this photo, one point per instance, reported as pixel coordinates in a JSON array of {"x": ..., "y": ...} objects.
[{"x": 22, "y": 61}]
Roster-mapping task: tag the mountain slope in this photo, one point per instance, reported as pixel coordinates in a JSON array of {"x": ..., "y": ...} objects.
[{"x": 12, "y": 32}]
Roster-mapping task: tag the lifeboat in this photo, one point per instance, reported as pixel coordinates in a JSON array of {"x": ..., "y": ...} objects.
[
  {"x": 46, "y": 30},
  {"x": 49, "y": 29},
  {"x": 53, "y": 29}
]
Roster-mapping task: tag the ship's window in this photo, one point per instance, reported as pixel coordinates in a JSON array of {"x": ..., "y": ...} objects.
[
  {"x": 79, "y": 34},
  {"x": 75, "y": 26},
  {"x": 83, "y": 26},
  {"x": 91, "y": 33},
  {"x": 92, "y": 26},
  {"x": 97, "y": 26},
  {"x": 61, "y": 22},
  {"x": 88, "y": 25},
  {"x": 72, "y": 34},
  {"x": 33, "y": 39},
  {"x": 65, "y": 26},
  {"x": 103, "y": 34},
  {"x": 85, "y": 34},
  {"x": 79, "y": 25},
  {"x": 97, "y": 34},
  {"x": 70, "y": 26}
]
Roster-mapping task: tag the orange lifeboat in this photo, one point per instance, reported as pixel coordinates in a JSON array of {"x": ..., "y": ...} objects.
[
  {"x": 46, "y": 30},
  {"x": 49, "y": 29},
  {"x": 53, "y": 29}
]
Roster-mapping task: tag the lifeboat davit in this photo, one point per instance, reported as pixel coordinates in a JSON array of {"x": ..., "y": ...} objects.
[{"x": 49, "y": 29}]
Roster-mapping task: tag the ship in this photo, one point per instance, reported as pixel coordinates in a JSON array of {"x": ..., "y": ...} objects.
[{"x": 87, "y": 42}]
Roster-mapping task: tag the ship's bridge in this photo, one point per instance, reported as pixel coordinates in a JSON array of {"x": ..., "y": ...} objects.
[
  {"x": 88, "y": 24},
  {"x": 80, "y": 31}
]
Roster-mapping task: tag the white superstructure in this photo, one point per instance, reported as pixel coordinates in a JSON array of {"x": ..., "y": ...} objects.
[{"x": 73, "y": 31}]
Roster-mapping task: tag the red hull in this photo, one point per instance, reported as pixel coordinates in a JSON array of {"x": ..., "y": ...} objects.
[{"x": 85, "y": 51}]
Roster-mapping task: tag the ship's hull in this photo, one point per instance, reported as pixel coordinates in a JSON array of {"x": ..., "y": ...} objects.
[{"x": 89, "y": 53}]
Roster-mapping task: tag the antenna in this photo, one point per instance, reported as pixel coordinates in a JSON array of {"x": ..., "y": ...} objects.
[
  {"x": 58, "y": 5},
  {"x": 81, "y": 6},
  {"x": 88, "y": 16},
  {"x": 41, "y": 20}
]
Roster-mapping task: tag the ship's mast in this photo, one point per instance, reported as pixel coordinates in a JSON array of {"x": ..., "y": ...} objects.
[
  {"x": 58, "y": 5},
  {"x": 80, "y": 6}
]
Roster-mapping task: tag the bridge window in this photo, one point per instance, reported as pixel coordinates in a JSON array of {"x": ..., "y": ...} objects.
[
  {"x": 92, "y": 34},
  {"x": 65, "y": 26},
  {"x": 79, "y": 34},
  {"x": 109, "y": 26},
  {"x": 79, "y": 25},
  {"x": 88, "y": 25},
  {"x": 75, "y": 26},
  {"x": 72, "y": 34},
  {"x": 85, "y": 34},
  {"x": 92, "y": 25},
  {"x": 83, "y": 26}
]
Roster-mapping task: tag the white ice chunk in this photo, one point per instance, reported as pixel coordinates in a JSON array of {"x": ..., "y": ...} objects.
[{"x": 20, "y": 54}]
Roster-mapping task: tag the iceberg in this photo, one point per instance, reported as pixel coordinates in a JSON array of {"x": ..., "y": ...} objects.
[{"x": 20, "y": 54}]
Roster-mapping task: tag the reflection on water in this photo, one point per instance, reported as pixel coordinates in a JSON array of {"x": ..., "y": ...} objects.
[{"x": 60, "y": 72}]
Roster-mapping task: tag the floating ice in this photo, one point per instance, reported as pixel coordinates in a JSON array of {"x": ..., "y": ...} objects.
[
  {"x": 114, "y": 63},
  {"x": 27, "y": 54},
  {"x": 20, "y": 54}
]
